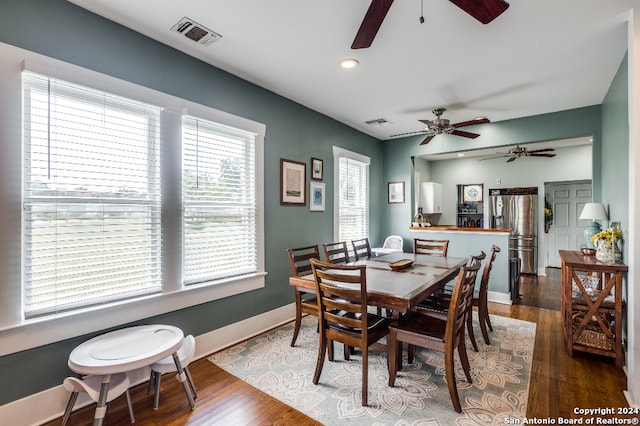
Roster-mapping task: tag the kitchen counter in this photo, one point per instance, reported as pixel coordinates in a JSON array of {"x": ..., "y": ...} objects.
[
  {"x": 452, "y": 228},
  {"x": 464, "y": 242}
]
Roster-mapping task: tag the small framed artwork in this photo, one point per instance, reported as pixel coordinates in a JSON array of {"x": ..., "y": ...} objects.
[
  {"x": 472, "y": 193},
  {"x": 316, "y": 169},
  {"x": 395, "y": 192},
  {"x": 293, "y": 182},
  {"x": 316, "y": 199}
]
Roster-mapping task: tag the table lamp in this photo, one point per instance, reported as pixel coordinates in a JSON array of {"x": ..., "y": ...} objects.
[{"x": 593, "y": 212}]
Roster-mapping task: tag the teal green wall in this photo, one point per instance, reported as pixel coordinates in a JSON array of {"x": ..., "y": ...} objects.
[
  {"x": 615, "y": 159},
  {"x": 615, "y": 149},
  {"x": 59, "y": 29},
  {"x": 574, "y": 123}
]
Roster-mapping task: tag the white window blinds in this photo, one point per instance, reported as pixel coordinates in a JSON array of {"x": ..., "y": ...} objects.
[
  {"x": 92, "y": 230},
  {"x": 353, "y": 199},
  {"x": 219, "y": 201}
]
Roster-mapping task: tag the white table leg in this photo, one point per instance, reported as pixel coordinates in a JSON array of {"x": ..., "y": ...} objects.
[
  {"x": 182, "y": 376},
  {"x": 101, "y": 408}
]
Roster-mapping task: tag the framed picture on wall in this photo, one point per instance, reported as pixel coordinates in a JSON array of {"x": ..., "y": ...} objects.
[
  {"x": 316, "y": 169},
  {"x": 317, "y": 196},
  {"x": 293, "y": 182},
  {"x": 395, "y": 192},
  {"x": 472, "y": 193}
]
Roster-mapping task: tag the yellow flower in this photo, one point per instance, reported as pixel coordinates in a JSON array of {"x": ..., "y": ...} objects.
[{"x": 607, "y": 235}]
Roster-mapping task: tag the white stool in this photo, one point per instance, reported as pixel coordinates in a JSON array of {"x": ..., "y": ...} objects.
[{"x": 118, "y": 385}]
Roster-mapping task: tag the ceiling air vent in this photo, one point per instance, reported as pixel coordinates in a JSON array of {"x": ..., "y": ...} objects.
[
  {"x": 378, "y": 122},
  {"x": 196, "y": 32}
]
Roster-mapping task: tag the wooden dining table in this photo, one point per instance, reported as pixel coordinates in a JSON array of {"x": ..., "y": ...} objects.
[{"x": 399, "y": 290}]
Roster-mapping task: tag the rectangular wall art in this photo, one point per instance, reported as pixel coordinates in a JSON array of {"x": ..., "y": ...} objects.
[
  {"x": 293, "y": 182},
  {"x": 316, "y": 200}
]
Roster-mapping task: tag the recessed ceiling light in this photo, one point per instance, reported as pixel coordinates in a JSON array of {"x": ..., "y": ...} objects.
[
  {"x": 349, "y": 63},
  {"x": 461, "y": 154}
]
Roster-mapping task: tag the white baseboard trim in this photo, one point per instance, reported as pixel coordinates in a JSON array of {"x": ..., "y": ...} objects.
[
  {"x": 50, "y": 404},
  {"x": 494, "y": 296},
  {"x": 629, "y": 397}
]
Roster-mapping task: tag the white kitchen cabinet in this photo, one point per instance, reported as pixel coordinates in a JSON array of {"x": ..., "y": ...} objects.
[{"x": 431, "y": 197}]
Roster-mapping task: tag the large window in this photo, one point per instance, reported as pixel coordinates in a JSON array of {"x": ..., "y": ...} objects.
[
  {"x": 104, "y": 217},
  {"x": 91, "y": 197},
  {"x": 351, "y": 182},
  {"x": 219, "y": 201},
  {"x": 97, "y": 229}
]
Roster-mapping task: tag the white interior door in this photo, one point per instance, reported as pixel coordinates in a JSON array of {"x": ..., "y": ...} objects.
[{"x": 567, "y": 232}]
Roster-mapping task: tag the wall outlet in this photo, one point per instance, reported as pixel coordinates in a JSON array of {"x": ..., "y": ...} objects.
[{"x": 498, "y": 181}]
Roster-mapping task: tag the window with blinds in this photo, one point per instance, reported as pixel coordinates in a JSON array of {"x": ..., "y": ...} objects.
[
  {"x": 219, "y": 201},
  {"x": 353, "y": 199},
  {"x": 91, "y": 183}
]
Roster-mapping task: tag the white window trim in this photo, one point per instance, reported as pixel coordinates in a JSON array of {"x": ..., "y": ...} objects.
[
  {"x": 16, "y": 334},
  {"x": 338, "y": 153}
]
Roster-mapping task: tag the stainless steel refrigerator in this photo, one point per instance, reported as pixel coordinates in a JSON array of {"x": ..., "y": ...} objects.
[{"x": 517, "y": 209}]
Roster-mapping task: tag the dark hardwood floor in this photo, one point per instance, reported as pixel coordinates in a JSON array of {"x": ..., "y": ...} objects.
[{"x": 559, "y": 383}]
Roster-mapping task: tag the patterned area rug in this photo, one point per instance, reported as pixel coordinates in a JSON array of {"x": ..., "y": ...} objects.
[{"x": 500, "y": 373}]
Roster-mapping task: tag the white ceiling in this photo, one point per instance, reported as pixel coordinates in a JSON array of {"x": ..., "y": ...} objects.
[{"x": 539, "y": 56}]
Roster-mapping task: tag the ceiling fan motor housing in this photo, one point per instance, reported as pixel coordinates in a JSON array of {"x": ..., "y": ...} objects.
[{"x": 441, "y": 125}]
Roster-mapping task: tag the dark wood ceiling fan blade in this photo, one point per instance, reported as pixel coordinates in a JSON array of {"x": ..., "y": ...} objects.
[
  {"x": 484, "y": 11},
  {"x": 540, "y": 155},
  {"x": 371, "y": 23},
  {"x": 465, "y": 134},
  {"x": 535, "y": 151},
  {"x": 512, "y": 159},
  {"x": 427, "y": 139},
  {"x": 473, "y": 122},
  {"x": 497, "y": 156}
]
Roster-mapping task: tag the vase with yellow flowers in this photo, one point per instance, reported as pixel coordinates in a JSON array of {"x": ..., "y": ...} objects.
[{"x": 606, "y": 243}]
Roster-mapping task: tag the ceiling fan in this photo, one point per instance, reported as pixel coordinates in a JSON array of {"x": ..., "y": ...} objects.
[
  {"x": 442, "y": 125},
  {"x": 518, "y": 151},
  {"x": 484, "y": 11}
]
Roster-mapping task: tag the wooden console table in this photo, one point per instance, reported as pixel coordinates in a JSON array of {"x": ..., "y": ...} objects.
[{"x": 592, "y": 305}]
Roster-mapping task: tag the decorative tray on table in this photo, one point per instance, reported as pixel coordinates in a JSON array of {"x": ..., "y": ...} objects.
[{"x": 400, "y": 264}]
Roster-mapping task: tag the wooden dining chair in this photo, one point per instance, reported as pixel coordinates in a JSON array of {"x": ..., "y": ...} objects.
[
  {"x": 361, "y": 248},
  {"x": 438, "y": 334},
  {"x": 336, "y": 252},
  {"x": 299, "y": 259},
  {"x": 480, "y": 298},
  {"x": 430, "y": 247},
  {"x": 342, "y": 298},
  {"x": 437, "y": 305}
]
